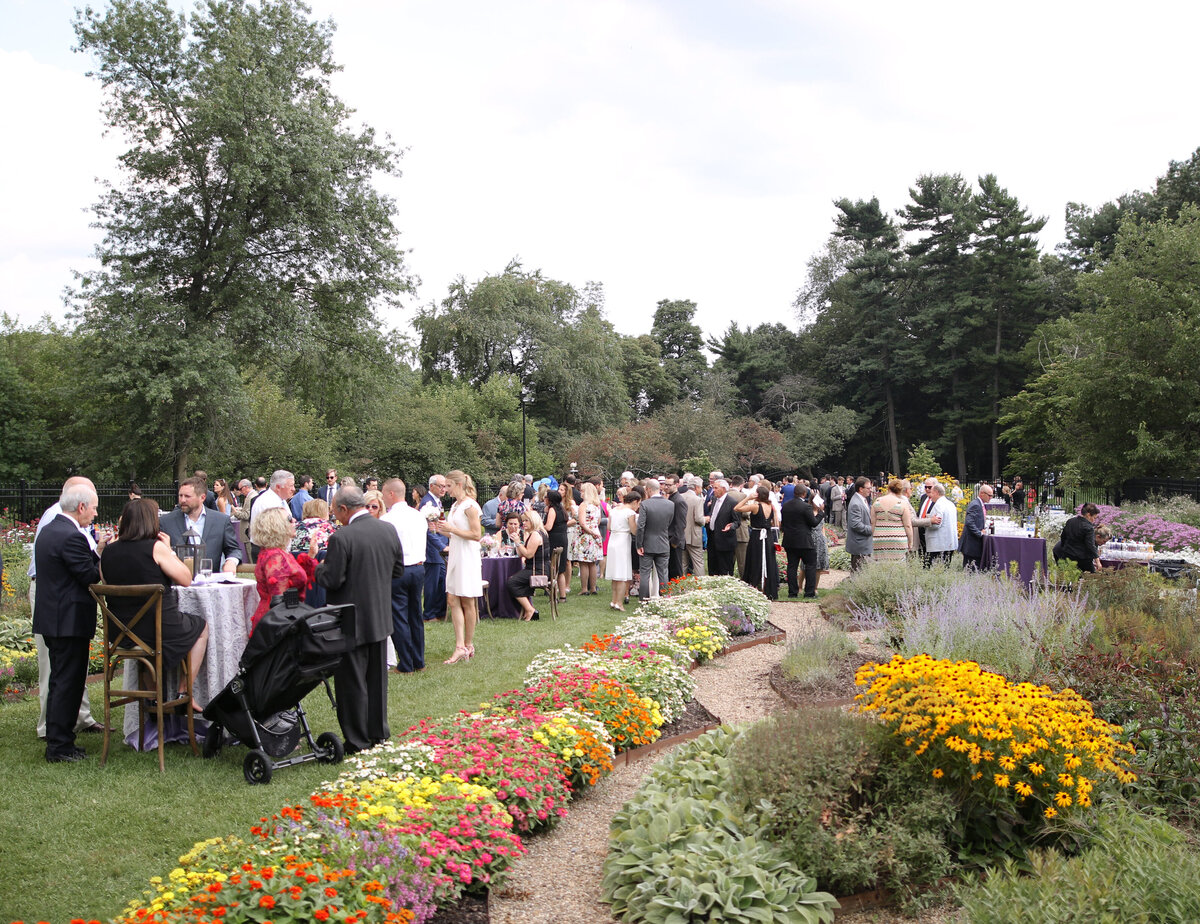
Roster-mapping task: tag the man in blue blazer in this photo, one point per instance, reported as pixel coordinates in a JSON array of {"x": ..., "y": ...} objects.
[
  {"x": 214, "y": 528},
  {"x": 974, "y": 523},
  {"x": 64, "y": 614}
]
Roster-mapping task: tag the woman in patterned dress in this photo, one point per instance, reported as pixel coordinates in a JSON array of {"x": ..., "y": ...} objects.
[
  {"x": 891, "y": 517},
  {"x": 588, "y": 550}
]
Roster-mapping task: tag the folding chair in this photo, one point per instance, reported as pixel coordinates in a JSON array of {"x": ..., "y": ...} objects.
[{"x": 124, "y": 643}]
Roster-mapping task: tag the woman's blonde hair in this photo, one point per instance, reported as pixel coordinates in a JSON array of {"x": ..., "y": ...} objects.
[
  {"x": 462, "y": 478},
  {"x": 535, "y": 520},
  {"x": 271, "y": 529},
  {"x": 377, "y": 496},
  {"x": 516, "y": 490},
  {"x": 315, "y": 508},
  {"x": 590, "y": 494}
]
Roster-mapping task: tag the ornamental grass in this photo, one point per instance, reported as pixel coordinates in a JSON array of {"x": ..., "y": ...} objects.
[
  {"x": 631, "y": 720},
  {"x": 1016, "y": 755},
  {"x": 501, "y": 754}
]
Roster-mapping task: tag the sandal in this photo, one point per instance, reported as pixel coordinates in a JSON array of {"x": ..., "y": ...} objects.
[{"x": 460, "y": 654}]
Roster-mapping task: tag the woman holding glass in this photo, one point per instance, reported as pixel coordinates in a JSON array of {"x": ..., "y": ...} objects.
[
  {"x": 622, "y": 527},
  {"x": 277, "y": 570},
  {"x": 464, "y": 568},
  {"x": 532, "y": 544},
  {"x": 142, "y": 554}
]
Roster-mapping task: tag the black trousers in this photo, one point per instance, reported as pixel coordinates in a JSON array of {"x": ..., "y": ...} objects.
[
  {"x": 360, "y": 683},
  {"x": 720, "y": 561},
  {"x": 807, "y": 557},
  {"x": 677, "y": 564},
  {"x": 68, "y": 677}
]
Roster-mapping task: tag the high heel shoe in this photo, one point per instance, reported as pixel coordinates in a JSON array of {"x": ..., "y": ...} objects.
[
  {"x": 470, "y": 652},
  {"x": 460, "y": 654}
]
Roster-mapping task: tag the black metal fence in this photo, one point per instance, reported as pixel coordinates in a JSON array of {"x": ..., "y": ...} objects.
[{"x": 24, "y": 501}]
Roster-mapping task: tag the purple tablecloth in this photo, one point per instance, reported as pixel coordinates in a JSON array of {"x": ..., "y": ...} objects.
[
  {"x": 1027, "y": 551},
  {"x": 497, "y": 571}
]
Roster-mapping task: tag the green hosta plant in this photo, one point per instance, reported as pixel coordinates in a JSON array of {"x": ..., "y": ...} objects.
[{"x": 679, "y": 852}]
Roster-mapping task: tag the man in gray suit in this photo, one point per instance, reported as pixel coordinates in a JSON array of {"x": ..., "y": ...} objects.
[
  {"x": 653, "y": 522},
  {"x": 858, "y": 523},
  {"x": 694, "y": 527},
  {"x": 210, "y": 527}
]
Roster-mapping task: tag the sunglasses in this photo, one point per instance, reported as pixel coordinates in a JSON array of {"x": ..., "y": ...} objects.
[{"x": 373, "y": 507}]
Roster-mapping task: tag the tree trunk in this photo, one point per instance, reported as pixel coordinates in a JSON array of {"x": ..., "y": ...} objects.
[{"x": 893, "y": 445}]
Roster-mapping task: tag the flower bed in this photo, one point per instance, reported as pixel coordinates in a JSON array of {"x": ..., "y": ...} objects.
[
  {"x": 1149, "y": 527},
  {"x": 439, "y": 812}
]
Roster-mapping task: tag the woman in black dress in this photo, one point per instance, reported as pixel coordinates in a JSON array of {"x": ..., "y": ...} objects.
[
  {"x": 556, "y": 529},
  {"x": 762, "y": 568},
  {"x": 531, "y": 546},
  {"x": 141, "y": 554}
]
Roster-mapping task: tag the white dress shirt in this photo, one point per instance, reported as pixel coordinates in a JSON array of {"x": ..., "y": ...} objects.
[{"x": 412, "y": 527}]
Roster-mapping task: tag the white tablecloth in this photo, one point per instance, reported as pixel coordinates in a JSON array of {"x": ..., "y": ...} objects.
[{"x": 227, "y": 609}]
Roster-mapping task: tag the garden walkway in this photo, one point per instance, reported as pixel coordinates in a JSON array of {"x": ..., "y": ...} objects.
[{"x": 558, "y": 881}]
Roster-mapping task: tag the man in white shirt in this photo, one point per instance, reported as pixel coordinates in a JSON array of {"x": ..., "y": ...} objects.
[
  {"x": 940, "y": 520},
  {"x": 84, "y": 722},
  {"x": 278, "y": 493},
  {"x": 408, "y": 633}
]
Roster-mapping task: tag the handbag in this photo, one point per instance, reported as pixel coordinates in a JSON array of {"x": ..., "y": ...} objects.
[{"x": 535, "y": 579}]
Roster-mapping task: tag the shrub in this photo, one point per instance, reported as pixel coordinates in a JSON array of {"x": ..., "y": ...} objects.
[
  {"x": 1155, "y": 700},
  {"x": 723, "y": 590},
  {"x": 679, "y": 851},
  {"x": 871, "y": 592},
  {"x": 1015, "y": 756},
  {"x": 839, "y": 560},
  {"x": 1151, "y": 875},
  {"x": 815, "y": 655},
  {"x": 1143, "y": 609},
  {"x": 735, "y": 620},
  {"x": 843, "y": 802}
]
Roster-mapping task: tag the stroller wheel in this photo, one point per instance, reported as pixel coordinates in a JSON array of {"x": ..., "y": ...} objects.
[
  {"x": 213, "y": 740},
  {"x": 329, "y": 748},
  {"x": 257, "y": 767}
]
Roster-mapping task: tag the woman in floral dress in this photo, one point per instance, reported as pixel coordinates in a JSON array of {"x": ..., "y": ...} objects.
[{"x": 587, "y": 549}]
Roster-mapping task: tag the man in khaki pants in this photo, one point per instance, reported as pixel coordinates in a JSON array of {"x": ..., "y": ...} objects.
[{"x": 737, "y": 494}]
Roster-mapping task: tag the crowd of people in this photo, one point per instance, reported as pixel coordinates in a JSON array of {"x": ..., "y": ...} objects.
[{"x": 405, "y": 556}]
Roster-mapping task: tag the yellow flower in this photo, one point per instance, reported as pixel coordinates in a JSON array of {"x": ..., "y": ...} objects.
[
  {"x": 938, "y": 773},
  {"x": 1001, "y": 780},
  {"x": 1036, "y": 769},
  {"x": 1049, "y": 813},
  {"x": 1023, "y": 789},
  {"x": 1062, "y": 799}
]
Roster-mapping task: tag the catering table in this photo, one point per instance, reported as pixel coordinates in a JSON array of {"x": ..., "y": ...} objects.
[
  {"x": 227, "y": 609},
  {"x": 497, "y": 571},
  {"x": 1027, "y": 551}
]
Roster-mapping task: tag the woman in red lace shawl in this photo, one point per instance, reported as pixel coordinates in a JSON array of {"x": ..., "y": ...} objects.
[{"x": 277, "y": 569}]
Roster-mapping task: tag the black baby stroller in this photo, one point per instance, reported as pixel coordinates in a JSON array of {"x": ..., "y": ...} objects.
[{"x": 294, "y": 647}]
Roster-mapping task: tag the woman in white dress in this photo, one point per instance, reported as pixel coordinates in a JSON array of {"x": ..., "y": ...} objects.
[
  {"x": 464, "y": 570},
  {"x": 622, "y": 526}
]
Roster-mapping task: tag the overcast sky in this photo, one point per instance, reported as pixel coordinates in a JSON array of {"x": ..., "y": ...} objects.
[{"x": 664, "y": 149}]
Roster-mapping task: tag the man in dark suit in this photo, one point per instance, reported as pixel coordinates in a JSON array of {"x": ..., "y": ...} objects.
[
  {"x": 974, "y": 523},
  {"x": 329, "y": 488},
  {"x": 435, "y": 561},
  {"x": 677, "y": 534},
  {"x": 360, "y": 562},
  {"x": 214, "y": 529},
  {"x": 653, "y": 540},
  {"x": 64, "y": 614},
  {"x": 722, "y": 530},
  {"x": 796, "y": 523}
]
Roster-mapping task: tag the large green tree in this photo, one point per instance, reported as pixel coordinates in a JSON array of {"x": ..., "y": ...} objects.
[
  {"x": 682, "y": 344},
  {"x": 245, "y": 223},
  {"x": 1117, "y": 395}
]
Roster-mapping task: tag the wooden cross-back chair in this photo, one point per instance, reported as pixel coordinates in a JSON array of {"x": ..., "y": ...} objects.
[
  {"x": 125, "y": 642},
  {"x": 551, "y": 589}
]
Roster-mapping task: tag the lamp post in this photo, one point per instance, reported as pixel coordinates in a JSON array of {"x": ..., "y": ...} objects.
[{"x": 524, "y": 453}]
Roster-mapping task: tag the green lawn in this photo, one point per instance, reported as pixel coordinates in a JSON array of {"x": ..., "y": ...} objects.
[{"x": 80, "y": 841}]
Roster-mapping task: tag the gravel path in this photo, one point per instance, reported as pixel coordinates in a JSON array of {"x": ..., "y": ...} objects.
[{"x": 558, "y": 881}]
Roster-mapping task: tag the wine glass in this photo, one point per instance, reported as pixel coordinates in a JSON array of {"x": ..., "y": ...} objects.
[{"x": 206, "y": 568}]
